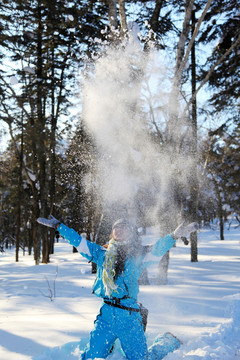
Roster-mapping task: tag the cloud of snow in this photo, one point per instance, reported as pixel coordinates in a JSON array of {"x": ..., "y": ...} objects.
[{"x": 116, "y": 111}]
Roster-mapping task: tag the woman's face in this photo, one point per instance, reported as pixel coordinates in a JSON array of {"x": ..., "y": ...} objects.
[{"x": 121, "y": 232}]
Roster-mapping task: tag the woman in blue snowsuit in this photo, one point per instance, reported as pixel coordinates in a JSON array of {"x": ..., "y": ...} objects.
[{"x": 119, "y": 267}]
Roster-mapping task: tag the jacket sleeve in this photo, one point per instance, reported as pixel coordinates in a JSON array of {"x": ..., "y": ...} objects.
[
  {"x": 85, "y": 247},
  {"x": 159, "y": 249}
]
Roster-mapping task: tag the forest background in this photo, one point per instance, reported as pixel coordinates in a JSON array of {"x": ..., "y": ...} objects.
[{"x": 54, "y": 53}]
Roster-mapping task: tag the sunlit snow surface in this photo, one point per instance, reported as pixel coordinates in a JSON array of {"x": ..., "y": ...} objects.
[{"x": 200, "y": 304}]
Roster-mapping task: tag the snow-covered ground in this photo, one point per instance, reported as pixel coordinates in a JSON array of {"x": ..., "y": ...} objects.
[{"x": 200, "y": 304}]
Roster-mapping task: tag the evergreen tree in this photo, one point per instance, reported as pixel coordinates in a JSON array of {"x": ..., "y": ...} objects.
[
  {"x": 45, "y": 42},
  {"x": 79, "y": 183}
]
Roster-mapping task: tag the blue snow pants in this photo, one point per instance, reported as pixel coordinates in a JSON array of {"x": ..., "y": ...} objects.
[{"x": 114, "y": 323}]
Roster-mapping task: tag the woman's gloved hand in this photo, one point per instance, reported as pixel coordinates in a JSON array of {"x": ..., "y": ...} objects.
[
  {"x": 184, "y": 230},
  {"x": 51, "y": 222}
]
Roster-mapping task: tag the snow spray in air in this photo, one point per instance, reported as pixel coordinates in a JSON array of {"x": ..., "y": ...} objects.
[{"x": 116, "y": 97}]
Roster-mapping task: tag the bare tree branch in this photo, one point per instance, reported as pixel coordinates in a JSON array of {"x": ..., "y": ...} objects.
[
  {"x": 20, "y": 104},
  {"x": 184, "y": 61}
]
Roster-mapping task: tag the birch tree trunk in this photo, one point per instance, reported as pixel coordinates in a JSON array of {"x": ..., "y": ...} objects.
[
  {"x": 173, "y": 142},
  {"x": 174, "y": 131}
]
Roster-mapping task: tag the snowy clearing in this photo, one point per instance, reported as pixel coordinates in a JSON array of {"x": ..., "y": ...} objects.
[{"x": 200, "y": 304}]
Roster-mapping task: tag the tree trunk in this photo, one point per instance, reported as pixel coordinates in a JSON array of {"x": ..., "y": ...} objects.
[
  {"x": 144, "y": 280},
  {"x": 36, "y": 241},
  {"x": 30, "y": 241},
  {"x": 221, "y": 217},
  {"x": 174, "y": 141},
  {"x": 41, "y": 134},
  {"x": 221, "y": 228},
  {"x": 154, "y": 22},
  {"x": 219, "y": 209},
  {"x": 162, "y": 278},
  {"x": 112, "y": 14},
  {"x": 123, "y": 19},
  {"x": 193, "y": 175},
  {"x": 52, "y": 187},
  {"x": 19, "y": 196}
]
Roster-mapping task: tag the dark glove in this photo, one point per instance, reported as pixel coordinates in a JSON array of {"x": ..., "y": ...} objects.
[
  {"x": 184, "y": 240},
  {"x": 51, "y": 222},
  {"x": 185, "y": 230}
]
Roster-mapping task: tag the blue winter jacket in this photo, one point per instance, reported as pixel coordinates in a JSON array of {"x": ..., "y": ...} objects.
[{"x": 128, "y": 281}]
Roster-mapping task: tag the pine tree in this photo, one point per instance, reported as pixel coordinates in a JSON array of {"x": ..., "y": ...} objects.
[
  {"x": 46, "y": 42},
  {"x": 79, "y": 184}
]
